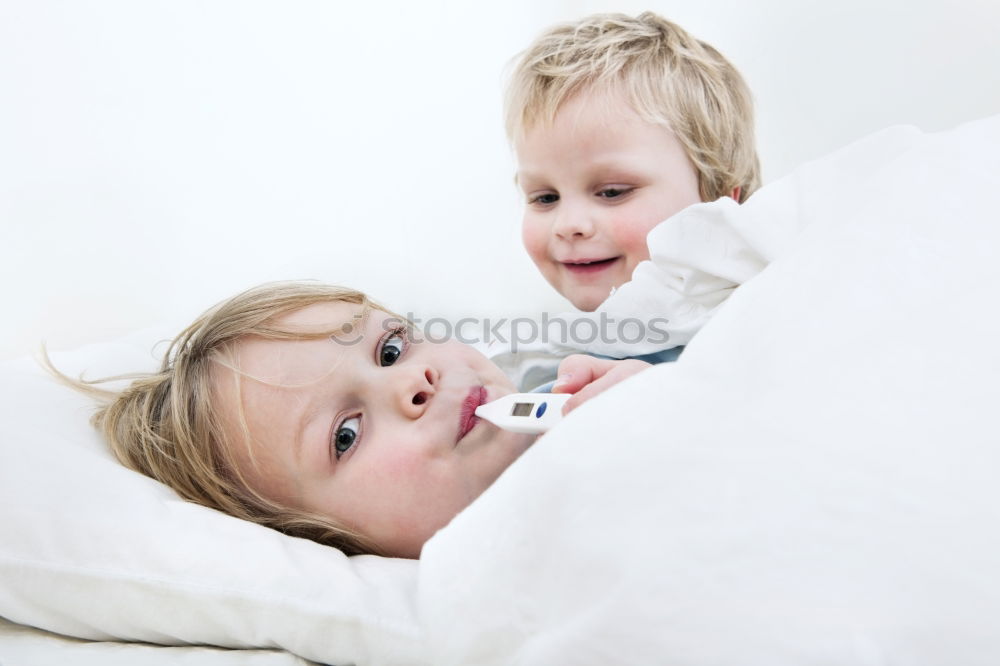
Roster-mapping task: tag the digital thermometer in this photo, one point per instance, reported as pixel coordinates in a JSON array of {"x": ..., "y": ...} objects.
[{"x": 529, "y": 413}]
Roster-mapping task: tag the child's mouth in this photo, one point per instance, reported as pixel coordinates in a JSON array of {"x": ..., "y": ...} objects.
[
  {"x": 589, "y": 267},
  {"x": 467, "y": 418}
]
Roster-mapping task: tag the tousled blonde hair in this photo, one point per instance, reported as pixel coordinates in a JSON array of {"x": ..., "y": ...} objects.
[
  {"x": 164, "y": 424},
  {"x": 668, "y": 77}
]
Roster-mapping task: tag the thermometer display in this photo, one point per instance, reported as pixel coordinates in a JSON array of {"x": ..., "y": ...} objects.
[{"x": 530, "y": 413}]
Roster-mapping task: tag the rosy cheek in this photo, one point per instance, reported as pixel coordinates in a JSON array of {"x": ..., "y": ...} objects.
[
  {"x": 533, "y": 236},
  {"x": 401, "y": 467},
  {"x": 631, "y": 241}
]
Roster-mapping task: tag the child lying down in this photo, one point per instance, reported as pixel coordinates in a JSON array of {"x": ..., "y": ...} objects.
[{"x": 312, "y": 410}]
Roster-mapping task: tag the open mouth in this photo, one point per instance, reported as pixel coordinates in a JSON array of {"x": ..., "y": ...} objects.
[{"x": 467, "y": 415}]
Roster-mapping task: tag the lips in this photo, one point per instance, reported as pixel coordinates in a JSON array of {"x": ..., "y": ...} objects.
[
  {"x": 589, "y": 266},
  {"x": 467, "y": 415}
]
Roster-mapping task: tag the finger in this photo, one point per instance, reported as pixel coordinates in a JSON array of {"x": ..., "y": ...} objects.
[
  {"x": 586, "y": 393},
  {"x": 594, "y": 388},
  {"x": 622, "y": 370},
  {"x": 578, "y": 370}
]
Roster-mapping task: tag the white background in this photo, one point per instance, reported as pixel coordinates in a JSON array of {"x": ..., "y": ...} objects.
[{"x": 157, "y": 156}]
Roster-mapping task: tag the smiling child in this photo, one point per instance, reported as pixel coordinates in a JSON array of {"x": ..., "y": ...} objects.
[{"x": 618, "y": 123}]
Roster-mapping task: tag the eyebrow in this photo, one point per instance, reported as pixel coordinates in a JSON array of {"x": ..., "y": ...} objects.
[
  {"x": 523, "y": 178},
  {"x": 301, "y": 423},
  {"x": 607, "y": 161},
  {"x": 361, "y": 320}
]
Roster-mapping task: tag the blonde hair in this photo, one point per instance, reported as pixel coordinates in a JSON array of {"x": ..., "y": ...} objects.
[
  {"x": 669, "y": 78},
  {"x": 164, "y": 423}
]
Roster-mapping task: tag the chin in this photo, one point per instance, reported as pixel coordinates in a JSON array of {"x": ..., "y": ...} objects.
[
  {"x": 586, "y": 297},
  {"x": 587, "y": 303}
]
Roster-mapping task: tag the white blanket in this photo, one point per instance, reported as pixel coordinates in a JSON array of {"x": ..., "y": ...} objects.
[{"x": 814, "y": 482}]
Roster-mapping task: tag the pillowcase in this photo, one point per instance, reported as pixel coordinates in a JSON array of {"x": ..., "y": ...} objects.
[
  {"x": 27, "y": 646},
  {"x": 93, "y": 550}
]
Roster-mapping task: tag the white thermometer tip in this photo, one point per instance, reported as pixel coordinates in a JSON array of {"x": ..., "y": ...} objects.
[{"x": 530, "y": 413}]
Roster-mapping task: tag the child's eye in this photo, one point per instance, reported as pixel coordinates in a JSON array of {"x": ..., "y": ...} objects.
[
  {"x": 345, "y": 436},
  {"x": 544, "y": 199},
  {"x": 392, "y": 347},
  {"x": 613, "y": 192}
]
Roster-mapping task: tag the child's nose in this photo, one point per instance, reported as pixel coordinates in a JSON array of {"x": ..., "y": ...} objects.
[
  {"x": 573, "y": 221},
  {"x": 418, "y": 384}
]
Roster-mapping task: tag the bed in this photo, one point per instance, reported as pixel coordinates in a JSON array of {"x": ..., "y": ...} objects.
[{"x": 812, "y": 483}]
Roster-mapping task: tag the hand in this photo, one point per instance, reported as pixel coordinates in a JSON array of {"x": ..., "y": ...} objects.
[{"x": 585, "y": 376}]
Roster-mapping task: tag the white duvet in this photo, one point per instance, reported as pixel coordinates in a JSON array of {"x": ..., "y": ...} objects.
[{"x": 816, "y": 481}]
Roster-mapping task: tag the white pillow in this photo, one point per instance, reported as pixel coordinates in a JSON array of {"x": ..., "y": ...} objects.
[
  {"x": 93, "y": 550},
  {"x": 27, "y": 646}
]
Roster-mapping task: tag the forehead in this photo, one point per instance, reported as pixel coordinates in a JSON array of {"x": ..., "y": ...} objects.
[
  {"x": 591, "y": 125},
  {"x": 322, "y": 316},
  {"x": 291, "y": 361},
  {"x": 588, "y": 109},
  {"x": 261, "y": 390}
]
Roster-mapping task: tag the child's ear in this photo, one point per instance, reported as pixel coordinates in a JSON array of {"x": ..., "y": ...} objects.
[{"x": 736, "y": 194}]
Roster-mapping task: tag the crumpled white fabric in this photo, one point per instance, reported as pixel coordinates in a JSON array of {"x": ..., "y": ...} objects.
[
  {"x": 704, "y": 252},
  {"x": 815, "y": 480}
]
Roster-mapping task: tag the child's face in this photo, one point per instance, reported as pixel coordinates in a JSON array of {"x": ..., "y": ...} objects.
[
  {"x": 597, "y": 180},
  {"x": 374, "y": 434}
]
